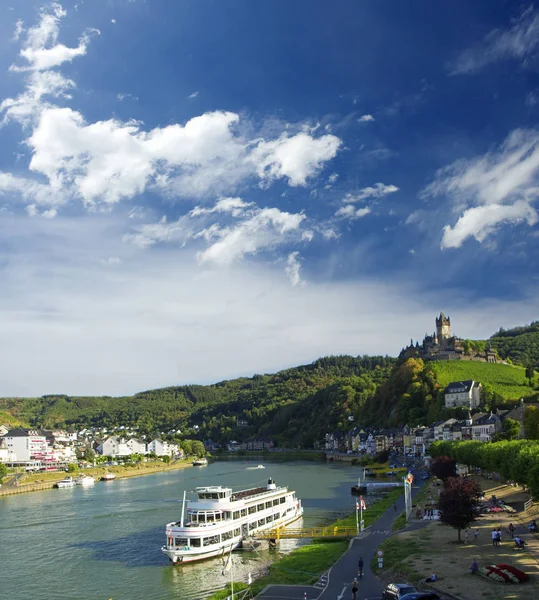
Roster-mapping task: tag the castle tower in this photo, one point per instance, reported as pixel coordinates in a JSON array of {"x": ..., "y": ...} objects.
[{"x": 443, "y": 328}]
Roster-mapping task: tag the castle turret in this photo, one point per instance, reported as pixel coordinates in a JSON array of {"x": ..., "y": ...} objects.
[{"x": 443, "y": 328}]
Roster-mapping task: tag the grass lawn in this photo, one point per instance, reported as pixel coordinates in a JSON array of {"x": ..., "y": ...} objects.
[
  {"x": 412, "y": 555},
  {"x": 509, "y": 381}
]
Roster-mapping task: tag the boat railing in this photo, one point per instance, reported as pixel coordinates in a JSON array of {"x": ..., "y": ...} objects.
[{"x": 235, "y": 497}]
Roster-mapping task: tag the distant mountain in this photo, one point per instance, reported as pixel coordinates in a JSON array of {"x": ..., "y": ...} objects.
[{"x": 520, "y": 344}]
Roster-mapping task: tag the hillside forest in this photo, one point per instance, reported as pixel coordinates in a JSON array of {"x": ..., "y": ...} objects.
[{"x": 331, "y": 394}]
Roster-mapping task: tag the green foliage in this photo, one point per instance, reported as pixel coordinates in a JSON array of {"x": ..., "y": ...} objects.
[
  {"x": 505, "y": 381},
  {"x": 443, "y": 467},
  {"x": 514, "y": 460},
  {"x": 3, "y": 471},
  {"x": 531, "y": 422},
  {"x": 520, "y": 344},
  {"x": 328, "y": 392},
  {"x": 166, "y": 459},
  {"x": 533, "y": 481},
  {"x": 72, "y": 468}
]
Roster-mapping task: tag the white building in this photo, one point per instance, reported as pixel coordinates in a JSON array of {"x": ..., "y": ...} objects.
[
  {"x": 136, "y": 446},
  {"x": 463, "y": 393},
  {"x": 162, "y": 448},
  {"x": 114, "y": 447},
  {"x": 25, "y": 444}
]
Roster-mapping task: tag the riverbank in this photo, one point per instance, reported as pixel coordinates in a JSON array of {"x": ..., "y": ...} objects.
[
  {"x": 413, "y": 554},
  {"x": 308, "y": 563},
  {"x": 35, "y": 482}
]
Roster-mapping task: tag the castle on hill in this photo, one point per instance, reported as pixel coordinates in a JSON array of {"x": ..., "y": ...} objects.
[{"x": 441, "y": 345}]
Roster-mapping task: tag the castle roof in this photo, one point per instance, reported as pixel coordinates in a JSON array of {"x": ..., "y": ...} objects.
[{"x": 459, "y": 386}]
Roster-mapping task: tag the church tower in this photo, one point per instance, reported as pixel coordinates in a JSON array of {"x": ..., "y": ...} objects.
[{"x": 443, "y": 328}]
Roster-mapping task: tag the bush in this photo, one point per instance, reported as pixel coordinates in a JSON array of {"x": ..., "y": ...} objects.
[{"x": 72, "y": 468}]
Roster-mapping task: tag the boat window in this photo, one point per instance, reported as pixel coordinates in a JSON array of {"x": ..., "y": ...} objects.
[
  {"x": 237, "y": 531},
  {"x": 269, "y": 519},
  {"x": 282, "y": 500},
  {"x": 252, "y": 525},
  {"x": 243, "y": 512},
  {"x": 276, "y": 502},
  {"x": 236, "y": 514},
  {"x": 268, "y": 504},
  {"x": 261, "y": 522},
  {"x": 195, "y": 542},
  {"x": 252, "y": 510},
  {"x": 208, "y": 541},
  {"x": 260, "y": 507},
  {"x": 277, "y": 516},
  {"x": 180, "y": 542},
  {"x": 226, "y": 535}
]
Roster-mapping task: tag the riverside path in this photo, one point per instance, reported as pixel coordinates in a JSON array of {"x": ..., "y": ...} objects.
[{"x": 337, "y": 585}]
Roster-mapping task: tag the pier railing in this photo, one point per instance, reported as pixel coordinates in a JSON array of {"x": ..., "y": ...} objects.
[{"x": 288, "y": 533}]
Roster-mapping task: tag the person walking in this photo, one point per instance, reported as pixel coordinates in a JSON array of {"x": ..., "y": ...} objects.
[
  {"x": 466, "y": 536},
  {"x": 476, "y": 535},
  {"x": 395, "y": 507},
  {"x": 355, "y": 589},
  {"x": 511, "y": 529},
  {"x": 498, "y": 537},
  {"x": 494, "y": 536},
  {"x": 360, "y": 567}
]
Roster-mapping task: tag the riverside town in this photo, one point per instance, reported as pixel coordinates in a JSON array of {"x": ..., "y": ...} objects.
[{"x": 268, "y": 300}]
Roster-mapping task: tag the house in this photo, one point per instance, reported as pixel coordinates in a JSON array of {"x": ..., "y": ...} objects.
[
  {"x": 114, "y": 447},
  {"x": 25, "y": 444},
  {"x": 481, "y": 427},
  {"x": 463, "y": 393},
  {"x": 162, "y": 448},
  {"x": 136, "y": 446},
  {"x": 3, "y": 430}
]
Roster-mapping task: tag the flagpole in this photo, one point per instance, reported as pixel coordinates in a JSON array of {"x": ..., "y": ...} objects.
[
  {"x": 357, "y": 522},
  {"x": 361, "y": 507}
]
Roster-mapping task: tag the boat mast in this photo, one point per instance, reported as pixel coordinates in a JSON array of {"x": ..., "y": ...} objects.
[{"x": 183, "y": 507}]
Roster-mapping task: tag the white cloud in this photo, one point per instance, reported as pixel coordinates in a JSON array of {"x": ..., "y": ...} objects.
[
  {"x": 378, "y": 190},
  {"x": 492, "y": 189},
  {"x": 110, "y": 160},
  {"x": 265, "y": 229},
  {"x": 180, "y": 315},
  {"x": 18, "y": 29},
  {"x": 295, "y": 157},
  {"x": 366, "y": 119},
  {"x": 350, "y": 212},
  {"x": 33, "y": 211},
  {"x": 193, "y": 95},
  {"x": 113, "y": 21},
  {"x": 481, "y": 221},
  {"x": 293, "y": 268},
  {"x": 518, "y": 42},
  {"x": 29, "y": 190}
]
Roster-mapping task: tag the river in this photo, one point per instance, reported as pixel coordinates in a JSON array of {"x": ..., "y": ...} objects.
[{"x": 104, "y": 542}]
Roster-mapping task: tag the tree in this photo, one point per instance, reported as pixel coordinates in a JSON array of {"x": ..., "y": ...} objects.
[
  {"x": 3, "y": 471},
  {"x": 72, "y": 468},
  {"x": 511, "y": 430},
  {"x": 89, "y": 454},
  {"x": 530, "y": 374},
  {"x": 444, "y": 467},
  {"x": 533, "y": 481},
  {"x": 166, "y": 459},
  {"x": 459, "y": 503}
]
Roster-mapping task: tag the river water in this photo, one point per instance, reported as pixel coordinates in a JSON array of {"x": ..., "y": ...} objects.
[{"x": 104, "y": 542}]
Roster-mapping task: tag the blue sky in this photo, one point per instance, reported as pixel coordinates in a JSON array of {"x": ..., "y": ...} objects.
[{"x": 194, "y": 190}]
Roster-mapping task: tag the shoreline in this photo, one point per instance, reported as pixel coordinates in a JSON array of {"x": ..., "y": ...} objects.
[{"x": 47, "y": 481}]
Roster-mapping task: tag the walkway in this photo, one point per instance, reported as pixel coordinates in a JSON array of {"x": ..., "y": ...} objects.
[{"x": 342, "y": 573}]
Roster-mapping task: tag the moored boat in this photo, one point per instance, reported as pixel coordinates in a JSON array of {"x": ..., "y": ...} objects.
[
  {"x": 108, "y": 476},
  {"x": 85, "y": 480},
  {"x": 200, "y": 462},
  {"x": 66, "y": 482},
  {"x": 220, "y": 519}
]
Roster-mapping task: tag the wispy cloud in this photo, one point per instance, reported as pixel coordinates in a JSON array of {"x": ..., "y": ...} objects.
[
  {"x": 351, "y": 212},
  {"x": 518, "y": 42},
  {"x": 293, "y": 268},
  {"x": 488, "y": 191},
  {"x": 366, "y": 119},
  {"x": 378, "y": 190},
  {"x": 193, "y": 95}
]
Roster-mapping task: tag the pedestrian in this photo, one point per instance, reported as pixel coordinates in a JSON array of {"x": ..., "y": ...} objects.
[
  {"x": 466, "y": 536},
  {"x": 360, "y": 567},
  {"x": 511, "y": 529},
  {"x": 494, "y": 536},
  {"x": 498, "y": 537},
  {"x": 476, "y": 535},
  {"x": 355, "y": 589},
  {"x": 395, "y": 507}
]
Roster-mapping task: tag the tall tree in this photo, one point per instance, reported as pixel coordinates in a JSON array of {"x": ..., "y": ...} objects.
[
  {"x": 444, "y": 467},
  {"x": 459, "y": 503},
  {"x": 3, "y": 471}
]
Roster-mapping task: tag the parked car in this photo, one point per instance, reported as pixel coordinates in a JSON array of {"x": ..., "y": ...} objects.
[
  {"x": 396, "y": 591},
  {"x": 421, "y": 596}
]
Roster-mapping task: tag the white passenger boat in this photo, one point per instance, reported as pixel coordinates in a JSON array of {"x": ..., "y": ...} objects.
[
  {"x": 220, "y": 519},
  {"x": 67, "y": 482},
  {"x": 85, "y": 480},
  {"x": 200, "y": 462}
]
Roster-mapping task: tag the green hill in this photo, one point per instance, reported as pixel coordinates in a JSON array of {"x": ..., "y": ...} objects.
[
  {"x": 520, "y": 344},
  {"x": 506, "y": 380}
]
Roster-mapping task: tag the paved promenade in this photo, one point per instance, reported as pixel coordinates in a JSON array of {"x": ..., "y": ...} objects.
[{"x": 338, "y": 584}]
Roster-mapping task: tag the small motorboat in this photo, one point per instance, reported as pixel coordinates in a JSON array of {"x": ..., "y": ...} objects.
[
  {"x": 200, "y": 462},
  {"x": 85, "y": 480},
  {"x": 66, "y": 483},
  {"x": 255, "y": 468},
  {"x": 108, "y": 476}
]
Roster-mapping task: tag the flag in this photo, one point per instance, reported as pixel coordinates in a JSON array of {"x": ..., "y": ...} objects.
[
  {"x": 357, "y": 505},
  {"x": 249, "y": 578},
  {"x": 363, "y": 505}
]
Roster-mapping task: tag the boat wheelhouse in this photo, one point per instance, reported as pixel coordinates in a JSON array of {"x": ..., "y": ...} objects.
[{"x": 220, "y": 519}]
